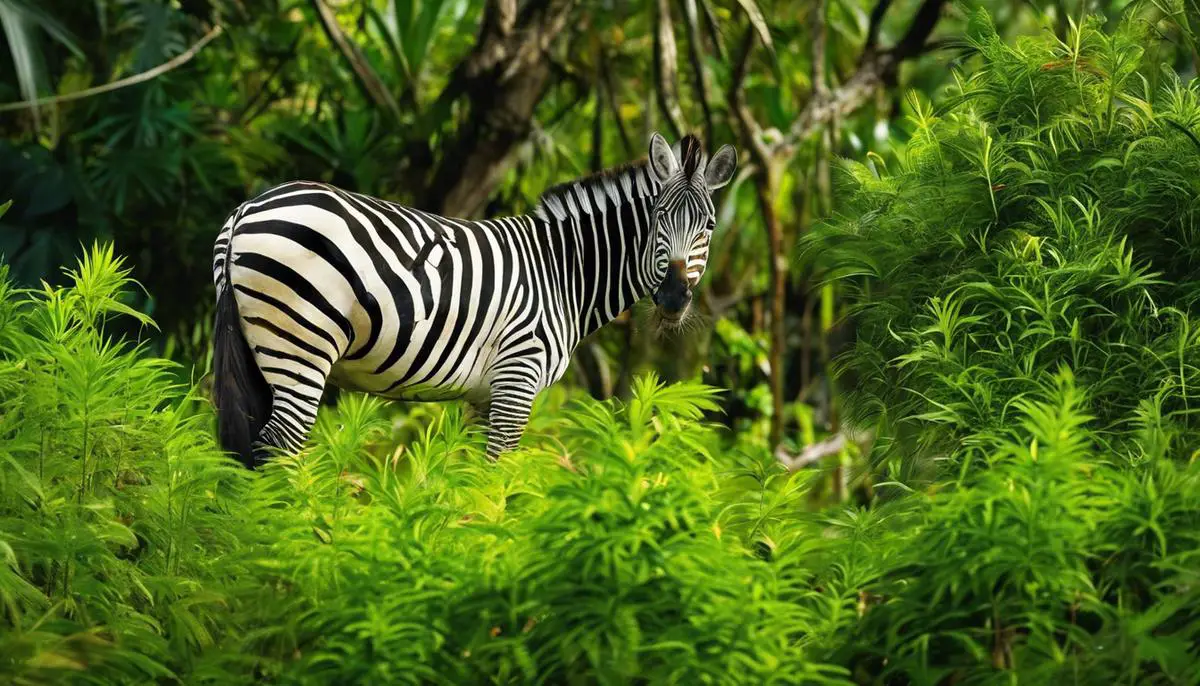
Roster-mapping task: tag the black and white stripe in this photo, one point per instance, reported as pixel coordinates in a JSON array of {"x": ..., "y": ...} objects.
[{"x": 338, "y": 287}]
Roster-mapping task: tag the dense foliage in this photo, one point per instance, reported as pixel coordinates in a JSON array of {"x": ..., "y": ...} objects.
[
  {"x": 1024, "y": 281},
  {"x": 404, "y": 99},
  {"x": 614, "y": 548},
  {"x": 1047, "y": 218},
  {"x": 1025, "y": 284},
  {"x": 628, "y": 542}
]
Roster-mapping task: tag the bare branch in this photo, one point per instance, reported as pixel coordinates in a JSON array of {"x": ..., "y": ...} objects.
[
  {"x": 503, "y": 79},
  {"x": 499, "y": 17},
  {"x": 875, "y": 69},
  {"x": 666, "y": 72},
  {"x": 752, "y": 132},
  {"x": 755, "y": 15},
  {"x": 820, "y": 87},
  {"x": 161, "y": 69},
  {"x": 538, "y": 25},
  {"x": 714, "y": 29},
  {"x": 876, "y": 20},
  {"x": 913, "y": 42},
  {"x": 699, "y": 73},
  {"x": 811, "y": 453},
  {"x": 499, "y": 20},
  {"x": 370, "y": 83},
  {"x": 839, "y": 102},
  {"x": 506, "y": 37},
  {"x": 815, "y": 452}
]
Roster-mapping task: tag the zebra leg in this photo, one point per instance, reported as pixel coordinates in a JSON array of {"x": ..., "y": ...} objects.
[
  {"x": 295, "y": 370},
  {"x": 507, "y": 416},
  {"x": 293, "y": 413}
]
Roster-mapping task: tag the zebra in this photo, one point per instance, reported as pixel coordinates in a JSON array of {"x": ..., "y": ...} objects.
[{"x": 317, "y": 285}]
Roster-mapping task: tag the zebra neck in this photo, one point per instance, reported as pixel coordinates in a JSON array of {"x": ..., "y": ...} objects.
[{"x": 604, "y": 240}]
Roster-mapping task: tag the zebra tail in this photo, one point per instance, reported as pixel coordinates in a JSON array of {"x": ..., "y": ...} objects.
[{"x": 241, "y": 395}]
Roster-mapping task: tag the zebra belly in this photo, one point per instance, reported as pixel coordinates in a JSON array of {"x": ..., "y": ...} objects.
[{"x": 401, "y": 383}]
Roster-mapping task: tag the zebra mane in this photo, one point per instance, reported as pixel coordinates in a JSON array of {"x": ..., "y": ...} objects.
[
  {"x": 625, "y": 180},
  {"x": 691, "y": 153}
]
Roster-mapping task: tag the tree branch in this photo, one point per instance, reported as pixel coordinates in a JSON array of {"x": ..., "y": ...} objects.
[
  {"x": 503, "y": 79},
  {"x": 714, "y": 29},
  {"x": 875, "y": 69},
  {"x": 699, "y": 73},
  {"x": 364, "y": 75},
  {"x": 875, "y": 22},
  {"x": 815, "y": 452},
  {"x": 665, "y": 70},
  {"x": 913, "y": 42},
  {"x": 820, "y": 86},
  {"x": 759, "y": 151},
  {"x": 766, "y": 190},
  {"x": 161, "y": 69}
]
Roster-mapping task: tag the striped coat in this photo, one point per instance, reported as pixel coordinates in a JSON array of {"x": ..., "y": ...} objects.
[{"x": 318, "y": 285}]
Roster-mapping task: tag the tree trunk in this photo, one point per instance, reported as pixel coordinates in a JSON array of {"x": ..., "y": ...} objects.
[
  {"x": 768, "y": 190},
  {"x": 474, "y": 163},
  {"x": 502, "y": 80}
]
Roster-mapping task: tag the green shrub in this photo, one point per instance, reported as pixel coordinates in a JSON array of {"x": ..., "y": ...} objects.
[
  {"x": 1047, "y": 214},
  {"x": 612, "y": 550},
  {"x": 114, "y": 516},
  {"x": 1024, "y": 278}
]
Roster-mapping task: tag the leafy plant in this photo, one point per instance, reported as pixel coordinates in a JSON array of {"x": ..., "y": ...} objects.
[
  {"x": 135, "y": 551},
  {"x": 1046, "y": 215},
  {"x": 1022, "y": 283}
]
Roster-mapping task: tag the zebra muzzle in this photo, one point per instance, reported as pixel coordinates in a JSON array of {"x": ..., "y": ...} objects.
[{"x": 673, "y": 295}]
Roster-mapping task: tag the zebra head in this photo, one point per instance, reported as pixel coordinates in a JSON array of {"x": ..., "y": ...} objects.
[{"x": 684, "y": 218}]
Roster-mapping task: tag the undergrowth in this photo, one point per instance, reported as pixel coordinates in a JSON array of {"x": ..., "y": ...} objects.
[
  {"x": 623, "y": 543},
  {"x": 389, "y": 551}
]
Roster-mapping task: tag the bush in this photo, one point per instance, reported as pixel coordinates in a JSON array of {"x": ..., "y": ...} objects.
[
  {"x": 1049, "y": 216},
  {"x": 609, "y": 551},
  {"x": 1027, "y": 353}
]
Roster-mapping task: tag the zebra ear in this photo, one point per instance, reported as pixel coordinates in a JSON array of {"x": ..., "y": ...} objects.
[
  {"x": 721, "y": 167},
  {"x": 662, "y": 160}
]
